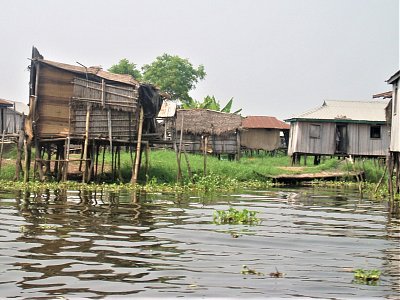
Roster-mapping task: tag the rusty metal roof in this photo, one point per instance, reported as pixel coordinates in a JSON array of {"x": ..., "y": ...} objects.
[
  {"x": 5, "y": 103},
  {"x": 383, "y": 95},
  {"x": 264, "y": 122},
  {"x": 98, "y": 71}
]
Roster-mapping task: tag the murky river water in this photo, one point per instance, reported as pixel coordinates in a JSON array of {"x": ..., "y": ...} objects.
[{"x": 80, "y": 245}]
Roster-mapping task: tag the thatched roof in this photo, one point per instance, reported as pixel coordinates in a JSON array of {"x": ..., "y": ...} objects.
[{"x": 205, "y": 121}]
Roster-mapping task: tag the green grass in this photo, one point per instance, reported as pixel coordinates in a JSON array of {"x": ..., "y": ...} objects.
[{"x": 253, "y": 171}]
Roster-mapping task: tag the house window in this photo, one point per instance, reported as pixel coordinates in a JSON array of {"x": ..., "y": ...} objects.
[
  {"x": 315, "y": 131},
  {"x": 375, "y": 132}
]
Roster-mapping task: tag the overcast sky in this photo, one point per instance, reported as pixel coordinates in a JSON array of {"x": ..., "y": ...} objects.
[{"x": 274, "y": 57}]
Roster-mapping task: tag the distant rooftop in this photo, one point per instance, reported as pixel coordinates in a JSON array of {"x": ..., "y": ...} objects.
[{"x": 264, "y": 122}]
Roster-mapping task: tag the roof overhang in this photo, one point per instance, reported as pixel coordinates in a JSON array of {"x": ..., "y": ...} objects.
[
  {"x": 394, "y": 77},
  {"x": 336, "y": 121}
]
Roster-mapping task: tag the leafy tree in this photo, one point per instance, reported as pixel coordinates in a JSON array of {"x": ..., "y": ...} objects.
[
  {"x": 126, "y": 67},
  {"x": 174, "y": 75}
]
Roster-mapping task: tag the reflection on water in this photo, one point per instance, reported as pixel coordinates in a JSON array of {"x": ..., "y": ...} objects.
[{"x": 84, "y": 244}]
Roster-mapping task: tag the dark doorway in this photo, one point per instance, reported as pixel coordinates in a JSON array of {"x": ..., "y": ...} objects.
[{"x": 341, "y": 138}]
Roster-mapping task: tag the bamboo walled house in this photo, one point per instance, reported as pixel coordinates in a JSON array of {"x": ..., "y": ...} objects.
[
  {"x": 263, "y": 133},
  {"x": 88, "y": 107},
  {"x": 210, "y": 131},
  {"x": 340, "y": 128}
]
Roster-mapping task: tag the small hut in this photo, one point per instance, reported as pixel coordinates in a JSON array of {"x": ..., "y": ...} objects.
[
  {"x": 340, "y": 128},
  {"x": 263, "y": 133},
  {"x": 210, "y": 131},
  {"x": 86, "y": 106}
]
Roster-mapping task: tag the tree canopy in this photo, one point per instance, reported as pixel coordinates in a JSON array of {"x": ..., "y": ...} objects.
[
  {"x": 126, "y": 67},
  {"x": 174, "y": 75},
  {"x": 210, "y": 102}
]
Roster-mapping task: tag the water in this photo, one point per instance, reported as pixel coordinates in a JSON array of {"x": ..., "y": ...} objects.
[{"x": 83, "y": 245}]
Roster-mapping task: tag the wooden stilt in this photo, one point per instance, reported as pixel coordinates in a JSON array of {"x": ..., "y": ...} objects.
[
  {"x": 119, "y": 163},
  {"x": 205, "y": 156},
  {"x": 85, "y": 149},
  {"x": 147, "y": 156},
  {"x": 20, "y": 146},
  {"x": 139, "y": 142},
  {"x": 2, "y": 148},
  {"x": 57, "y": 162},
  {"x": 66, "y": 159},
  {"x": 27, "y": 158},
  {"x": 389, "y": 162},
  {"x": 102, "y": 160},
  {"x": 97, "y": 162}
]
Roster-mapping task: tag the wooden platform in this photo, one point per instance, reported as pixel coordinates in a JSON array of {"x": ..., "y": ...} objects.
[{"x": 295, "y": 178}]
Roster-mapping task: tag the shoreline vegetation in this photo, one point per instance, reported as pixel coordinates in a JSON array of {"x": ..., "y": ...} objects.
[{"x": 159, "y": 174}]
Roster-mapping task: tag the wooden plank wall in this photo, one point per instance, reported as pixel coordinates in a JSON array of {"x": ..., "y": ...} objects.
[
  {"x": 54, "y": 93},
  {"x": 301, "y": 142},
  {"x": 359, "y": 141}
]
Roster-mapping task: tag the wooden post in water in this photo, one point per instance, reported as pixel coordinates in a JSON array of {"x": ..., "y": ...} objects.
[
  {"x": 66, "y": 159},
  {"x": 85, "y": 148},
  {"x": 389, "y": 162},
  {"x": 20, "y": 146},
  {"x": 2, "y": 148},
  {"x": 205, "y": 155},
  {"x": 138, "y": 146}
]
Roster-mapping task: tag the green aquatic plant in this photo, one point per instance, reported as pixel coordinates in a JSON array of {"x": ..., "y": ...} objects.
[
  {"x": 246, "y": 271},
  {"x": 234, "y": 216},
  {"x": 367, "y": 276}
]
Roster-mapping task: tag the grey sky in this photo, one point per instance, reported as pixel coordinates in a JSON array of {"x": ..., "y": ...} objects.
[{"x": 275, "y": 57}]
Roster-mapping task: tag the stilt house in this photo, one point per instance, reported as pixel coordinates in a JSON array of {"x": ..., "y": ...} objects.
[
  {"x": 394, "y": 120},
  {"x": 208, "y": 130},
  {"x": 11, "y": 115},
  {"x": 85, "y": 106},
  {"x": 342, "y": 128},
  {"x": 263, "y": 133}
]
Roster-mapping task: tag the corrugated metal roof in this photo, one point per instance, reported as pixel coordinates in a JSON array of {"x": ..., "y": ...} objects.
[
  {"x": 394, "y": 77},
  {"x": 264, "y": 122},
  {"x": 123, "y": 78},
  {"x": 370, "y": 111},
  {"x": 168, "y": 109}
]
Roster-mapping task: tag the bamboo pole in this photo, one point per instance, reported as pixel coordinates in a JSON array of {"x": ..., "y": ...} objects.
[
  {"x": 205, "y": 155},
  {"x": 2, "y": 148},
  {"x": 66, "y": 159},
  {"x": 85, "y": 149},
  {"x": 20, "y": 146},
  {"x": 147, "y": 155},
  {"x": 138, "y": 146},
  {"x": 27, "y": 158}
]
